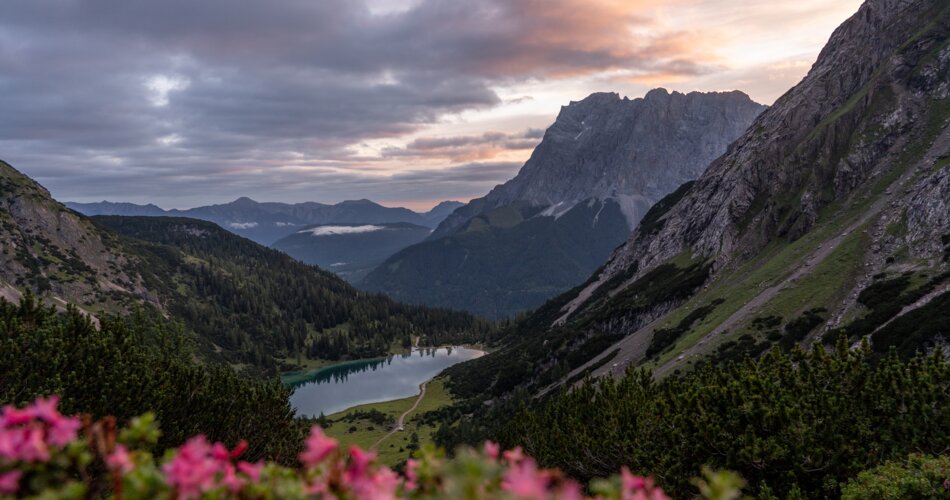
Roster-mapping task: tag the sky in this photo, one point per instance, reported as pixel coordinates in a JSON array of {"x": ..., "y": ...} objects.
[{"x": 185, "y": 103}]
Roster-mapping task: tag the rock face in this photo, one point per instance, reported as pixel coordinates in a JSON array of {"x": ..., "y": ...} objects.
[
  {"x": 56, "y": 252},
  {"x": 866, "y": 99},
  {"x": 828, "y": 217},
  {"x": 861, "y": 145},
  {"x": 632, "y": 151},
  {"x": 598, "y": 169}
]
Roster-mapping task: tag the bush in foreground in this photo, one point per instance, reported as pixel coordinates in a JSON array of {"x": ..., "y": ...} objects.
[
  {"x": 48, "y": 455},
  {"x": 918, "y": 476}
]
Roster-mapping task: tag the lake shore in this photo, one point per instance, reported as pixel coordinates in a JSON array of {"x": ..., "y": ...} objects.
[{"x": 334, "y": 388}]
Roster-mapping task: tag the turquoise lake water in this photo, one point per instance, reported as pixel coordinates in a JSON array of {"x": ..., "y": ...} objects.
[{"x": 345, "y": 385}]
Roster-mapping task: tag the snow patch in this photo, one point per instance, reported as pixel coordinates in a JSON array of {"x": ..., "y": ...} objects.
[
  {"x": 558, "y": 209},
  {"x": 328, "y": 230},
  {"x": 242, "y": 225},
  {"x": 284, "y": 224}
]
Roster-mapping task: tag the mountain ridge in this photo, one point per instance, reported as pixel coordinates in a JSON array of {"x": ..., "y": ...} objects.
[
  {"x": 828, "y": 217},
  {"x": 266, "y": 222},
  {"x": 536, "y": 235},
  {"x": 241, "y": 302}
]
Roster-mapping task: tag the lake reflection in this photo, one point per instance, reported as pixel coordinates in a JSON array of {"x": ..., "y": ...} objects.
[{"x": 354, "y": 383}]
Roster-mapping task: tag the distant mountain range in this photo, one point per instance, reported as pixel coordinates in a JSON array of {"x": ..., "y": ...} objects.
[
  {"x": 598, "y": 169},
  {"x": 350, "y": 250},
  {"x": 267, "y": 222},
  {"x": 242, "y": 302}
]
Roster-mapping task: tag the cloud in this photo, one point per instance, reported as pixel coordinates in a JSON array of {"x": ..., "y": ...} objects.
[
  {"x": 467, "y": 148},
  {"x": 336, "y": 230},
  {"x": 184, "y": 102}
]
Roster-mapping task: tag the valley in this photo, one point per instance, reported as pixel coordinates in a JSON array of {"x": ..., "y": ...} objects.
[{"x": 682, "y": 293}]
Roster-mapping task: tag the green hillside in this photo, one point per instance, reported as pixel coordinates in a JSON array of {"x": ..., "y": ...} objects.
[
  {"x": 251, "y": 304},
  {"x": 505, "y": 261}
]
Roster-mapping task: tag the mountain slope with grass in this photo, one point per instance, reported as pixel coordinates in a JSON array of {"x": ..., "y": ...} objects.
[
  {"x": 830, "y": 216},
  {"x": 597, "y": 170}
]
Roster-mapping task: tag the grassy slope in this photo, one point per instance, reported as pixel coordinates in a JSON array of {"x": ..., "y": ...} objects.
[
  {"x": 823, "y": 287},
  {"x": 393, "y": 449}
]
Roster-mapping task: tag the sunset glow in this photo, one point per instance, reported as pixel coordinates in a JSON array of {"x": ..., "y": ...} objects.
[{"x": 406, "y": 103}]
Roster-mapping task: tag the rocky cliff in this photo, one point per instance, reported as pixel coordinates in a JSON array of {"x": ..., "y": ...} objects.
[
  {"x": 827, "y": 218},
  {"x": 598, "y": 169},
  {"x": 634, "y": 151},
  {"x": 840, "y": 186}
]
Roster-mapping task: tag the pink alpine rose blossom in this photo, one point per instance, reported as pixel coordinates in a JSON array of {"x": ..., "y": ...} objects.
[
  {"x": 319, "y": 447},
  {"x": 120, "y": 460},
  {"x": 10, "y": 481}
]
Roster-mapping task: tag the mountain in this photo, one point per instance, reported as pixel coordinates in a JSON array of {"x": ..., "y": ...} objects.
[
  {"x": 242, "y": 302},
  {"x": 350, "y": 250},
  {"x": 268, "y": 222},
  {"x": 109, "y": 208},
  {"x": 828, "y": 217},
  {"x": 438, "y": 213},
  {"x": 597, "y": 170},
  {"x": 826, "y": 223},
  {"x": 59, "y": 254}
]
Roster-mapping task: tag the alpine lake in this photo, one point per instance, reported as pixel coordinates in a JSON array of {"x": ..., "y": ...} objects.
[{"x": 344, "y": 385}]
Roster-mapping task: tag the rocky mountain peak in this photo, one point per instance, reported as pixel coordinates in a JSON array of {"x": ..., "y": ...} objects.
[
  {"x": 873, "y": 109},
  {"x": 633, "y": 151}
]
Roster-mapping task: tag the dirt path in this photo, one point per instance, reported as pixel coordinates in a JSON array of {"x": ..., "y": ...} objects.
[
  {"x": 633, "y": 346},
  {"x": 811, "y": 262},
  {"x": 921, "y": 302},
  {"x": 402, "y": 418}
]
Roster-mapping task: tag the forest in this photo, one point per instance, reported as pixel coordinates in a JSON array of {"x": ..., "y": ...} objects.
[
  {"x": 793, "y": 424},
  {"x": 254, "y": 305},
  {"x": 129, "y": 366}
]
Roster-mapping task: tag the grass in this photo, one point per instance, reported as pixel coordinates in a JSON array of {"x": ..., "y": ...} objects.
[
  {"x": 395, "y": 448},
  {"x": 738, "y": 286},
  {"x": 829, "y": 283}
]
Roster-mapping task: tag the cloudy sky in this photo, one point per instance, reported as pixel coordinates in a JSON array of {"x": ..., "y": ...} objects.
[{"x": 406, "y": 102}]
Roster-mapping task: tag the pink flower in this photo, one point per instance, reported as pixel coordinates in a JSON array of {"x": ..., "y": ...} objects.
[
  {"x": 379, "y": 486},
  {"x": 359, "y": 463},
  {"x": 27, "y": 434},
  {"x": 63, "y": 431},
  {"x": 630, "y": 482},
  {"x": 412, "y": 466},
  {"x": 514, "y": 456},
  {"x": 231, "y": 481},
  {"x": 239, "y": 449},
  {"x": 570, "y": 491},
  {"x": 252, "y": 471},
  {"x": 7, "y": 444},
  {"x": 638, "y": 488},
  {"x": 193, "y": 469},
  {"x": 32, "y": 446},
  {"x": 120, "y": 460},
  {"x": 45, "y": 409},
  {"x": 12, "y": 416},
  {"x": 219, "y": 452},
  {"x": 10, "y": 482},
  {"x": 492, "y": 449},
  {"x": 319, "y": 447},
  {"x": 524, "y": 480}
]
